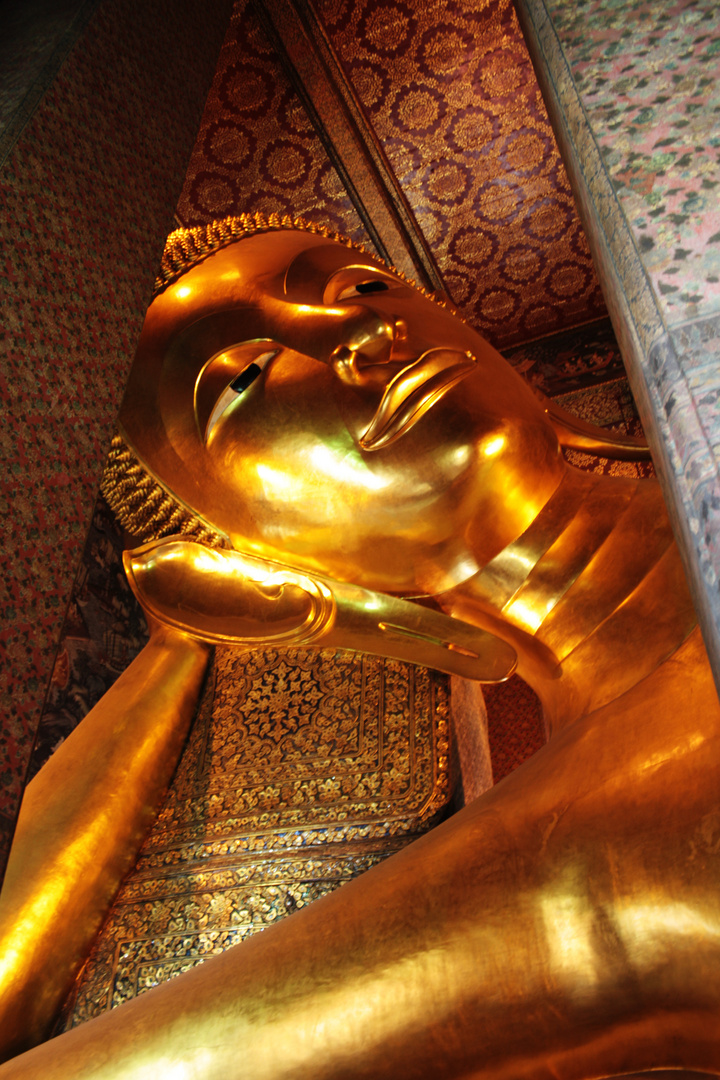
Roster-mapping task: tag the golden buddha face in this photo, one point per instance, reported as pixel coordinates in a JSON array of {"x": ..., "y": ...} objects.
[{"x": 317, "y": 409}]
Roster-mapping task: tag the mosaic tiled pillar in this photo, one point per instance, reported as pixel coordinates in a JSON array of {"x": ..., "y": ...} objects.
[
  {"x": 86, "y": 200},
  {"x": 634, "y": 96}
]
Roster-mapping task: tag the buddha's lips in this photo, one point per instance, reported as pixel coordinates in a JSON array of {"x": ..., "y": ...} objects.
[{"x": 412, "y": 392}]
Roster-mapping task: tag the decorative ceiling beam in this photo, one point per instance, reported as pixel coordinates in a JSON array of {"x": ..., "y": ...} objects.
[{"x": 304, "y": 49}]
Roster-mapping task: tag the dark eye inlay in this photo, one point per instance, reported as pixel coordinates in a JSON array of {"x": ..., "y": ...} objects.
[
  {"x": 218, "y": 387},
  {"x": 371, "y": 286},
  {"x": 245, "y": 378}
]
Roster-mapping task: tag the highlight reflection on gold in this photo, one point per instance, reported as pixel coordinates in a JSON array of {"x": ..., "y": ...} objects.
[{"x": 569, "y": 925}]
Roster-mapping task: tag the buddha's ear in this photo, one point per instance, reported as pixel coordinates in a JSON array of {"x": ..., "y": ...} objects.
[{"x": 575, "y": 434}]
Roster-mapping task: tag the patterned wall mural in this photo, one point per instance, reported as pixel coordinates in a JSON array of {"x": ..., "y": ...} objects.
[
  {"x": 86, "y": 200},
  {"x": 451, "y": 94}
]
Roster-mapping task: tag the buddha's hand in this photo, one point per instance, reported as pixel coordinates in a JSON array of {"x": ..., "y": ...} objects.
[
  {"x": 225, "y": 596},
  {"x": 231, "y": 598}
]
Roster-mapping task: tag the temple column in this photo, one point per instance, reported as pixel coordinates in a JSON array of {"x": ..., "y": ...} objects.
[{"x": 632, "y": 92}]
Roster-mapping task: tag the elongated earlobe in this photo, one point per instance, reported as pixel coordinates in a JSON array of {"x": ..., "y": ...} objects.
[{"x": 576, "y": 434}]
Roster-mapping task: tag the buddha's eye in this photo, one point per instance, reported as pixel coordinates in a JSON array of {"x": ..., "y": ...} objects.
[
  {"x": 362, "y": 288},
  {"x": 237, "y": 387},
  {"x": 356, "y": 282},
  {"x": 246, "y": 377},
  {"x": 225, "y": 379}
]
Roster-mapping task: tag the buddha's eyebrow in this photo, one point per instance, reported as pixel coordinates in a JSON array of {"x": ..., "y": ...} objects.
[{"x": 311, "y": 271}]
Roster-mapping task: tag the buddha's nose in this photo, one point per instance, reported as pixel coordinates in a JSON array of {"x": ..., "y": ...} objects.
[{"x": 369, "y": 339}]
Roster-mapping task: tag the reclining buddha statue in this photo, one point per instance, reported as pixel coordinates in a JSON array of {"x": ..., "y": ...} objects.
[{"x": 347, "y": 462}]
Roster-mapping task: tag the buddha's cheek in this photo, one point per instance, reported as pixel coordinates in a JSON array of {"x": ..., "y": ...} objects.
[
  {"x": 519, "y": 468},
  {"x": 387, "y": 519},
  {"x": 422, "y": 514}
]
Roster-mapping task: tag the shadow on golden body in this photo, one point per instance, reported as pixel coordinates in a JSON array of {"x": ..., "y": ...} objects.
[{"x": 567, "y": 923}]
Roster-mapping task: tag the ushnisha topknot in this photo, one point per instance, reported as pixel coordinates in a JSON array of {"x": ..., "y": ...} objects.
[{"x": 186, "y": 248}]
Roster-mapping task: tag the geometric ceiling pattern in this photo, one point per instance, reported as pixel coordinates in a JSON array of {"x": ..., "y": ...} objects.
[
  {"x": 256, "y": 149},
  {"x": 453, "y": 98},
  {"x": 450, "y": 93}
]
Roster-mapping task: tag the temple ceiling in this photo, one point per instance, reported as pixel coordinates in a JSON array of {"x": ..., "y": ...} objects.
[{"x": 427, "y": 115}]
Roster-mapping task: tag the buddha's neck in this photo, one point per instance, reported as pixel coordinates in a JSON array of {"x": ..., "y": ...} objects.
[{"x": 592, "y": 595}]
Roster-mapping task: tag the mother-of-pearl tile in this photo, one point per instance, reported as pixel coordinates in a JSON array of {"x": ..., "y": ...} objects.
[{"x": 634, "y": 98}]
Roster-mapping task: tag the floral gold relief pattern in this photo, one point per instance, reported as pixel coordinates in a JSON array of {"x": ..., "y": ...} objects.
[{"x": 303, "y": 770}]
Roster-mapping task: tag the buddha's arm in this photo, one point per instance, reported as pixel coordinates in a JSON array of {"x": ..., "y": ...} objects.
[
  {"x": 82, "y": 821},
  {"x": 566, "y": 924},
  {"x": 86, "y": 814}
]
